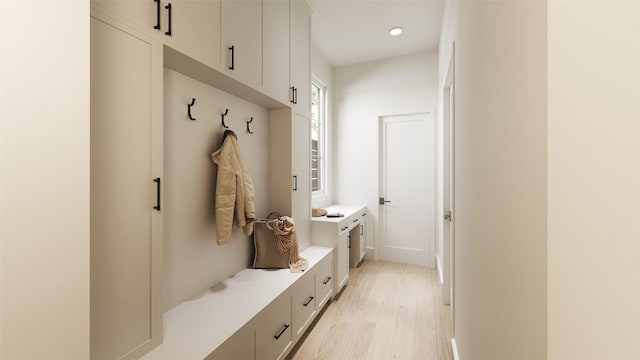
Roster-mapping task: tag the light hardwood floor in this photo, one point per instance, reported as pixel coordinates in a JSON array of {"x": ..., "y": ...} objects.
[{"x": 386, "y": 311}]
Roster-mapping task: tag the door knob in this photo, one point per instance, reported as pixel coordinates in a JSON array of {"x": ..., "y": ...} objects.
[{"x": 382, "y": 201}]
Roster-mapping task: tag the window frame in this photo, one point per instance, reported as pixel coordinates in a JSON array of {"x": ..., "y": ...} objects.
[{"x": 322, "y": 141}]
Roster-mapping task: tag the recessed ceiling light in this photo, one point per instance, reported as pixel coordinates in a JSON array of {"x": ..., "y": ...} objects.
[{"x": 395, "y": 31}]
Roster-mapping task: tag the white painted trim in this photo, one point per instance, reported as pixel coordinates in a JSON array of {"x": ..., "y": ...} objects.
[
  {"x": 454, "y": 348},
  {"x": 370, "y": 254},
  {"x": 439, "y": 268}
]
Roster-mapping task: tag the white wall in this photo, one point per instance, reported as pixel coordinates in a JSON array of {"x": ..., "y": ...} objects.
[
  {"x": 362, "y": 93},
  {"x": 322, "y": 70},
  {"x": 501, "y": 177},
  {"x": 44, "y": 182},
  {"x": 594, "y": 177},
  {"x": 193, "y": 259}
]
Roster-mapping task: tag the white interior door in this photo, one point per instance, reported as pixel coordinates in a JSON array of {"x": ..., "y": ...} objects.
[
  {"x": 448, "y": 182},
  {"x": 407, "y": 145}
]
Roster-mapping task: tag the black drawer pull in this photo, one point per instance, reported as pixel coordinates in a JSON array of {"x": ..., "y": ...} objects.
[
  {"x": 355, "y": 220},
  {"x": 293, "y": 95},
  {"x": 308, "y": 301},
  {"x": 157, "y": 25},
  {"x": 286, "y": 326},
  {"x": 326, "y": 281},
  {"x": 157, "y": 181},
  {"x": 233, "y": 57},
  {"x": 168, "y": 7}
]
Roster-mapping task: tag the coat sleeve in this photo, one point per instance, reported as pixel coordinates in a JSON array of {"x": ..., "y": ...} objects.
[
  {"x": 225, "y": 196},
  {"x": 245, "y": 210}
]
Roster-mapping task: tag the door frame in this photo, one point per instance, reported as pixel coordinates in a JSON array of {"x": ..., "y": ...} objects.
[
  {"x": 448, "y": 183},
  {"x": 431, "y": 115}
]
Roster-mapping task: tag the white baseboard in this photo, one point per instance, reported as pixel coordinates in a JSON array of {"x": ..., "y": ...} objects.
[
  {"x": 454, "y": 347},
  {"x": 439, "y": 268},
  {"x": 370, "y": 254}
]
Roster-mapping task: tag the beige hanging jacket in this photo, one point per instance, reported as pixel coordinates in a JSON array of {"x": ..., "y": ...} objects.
[{"x": 234, "y": 191}]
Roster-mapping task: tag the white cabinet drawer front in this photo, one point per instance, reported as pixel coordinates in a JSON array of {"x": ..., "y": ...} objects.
[
  {"x": 324, "y": 281},
  {"x": 273, "y": 329},
  {"x": 304, "y": 303}
]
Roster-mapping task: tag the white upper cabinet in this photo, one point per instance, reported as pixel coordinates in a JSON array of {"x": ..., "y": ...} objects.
[
  {"x": 195, "y": 29},
  {"x": 300, "y": 69},
  {"x": 275, "y": 49},
  {"x": 241, "y": 46},
  {"x": 145, "y": 14}
]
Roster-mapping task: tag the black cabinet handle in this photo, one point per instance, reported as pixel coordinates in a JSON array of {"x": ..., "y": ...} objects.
[
  {"x": 295, "y": 95},
  {"x": 168, "y": 7},
  {"x": 308, "y": 301},
  {"x": 326, "y": 281},
  {"x": 286, "y": 326},
  {"x": 349, "y": 242},
  {"x": 233, "y": 60},
  {"x": 295, "y": 182},
  {"x": 361, "y": 229},
  {"x": 157, "y": 181},
  {"x": 157, "y": 25},
  {"x": 293, "y": 91},
  {"x": 355, "y": 220}
]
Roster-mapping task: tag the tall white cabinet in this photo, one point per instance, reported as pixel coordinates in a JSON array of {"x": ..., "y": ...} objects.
[
  {"x": 290, "y": 176},
  {"x": 126, "y": 175}
]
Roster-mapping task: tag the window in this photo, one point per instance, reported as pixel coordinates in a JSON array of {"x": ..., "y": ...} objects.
[{"x": 318, "y": 141}]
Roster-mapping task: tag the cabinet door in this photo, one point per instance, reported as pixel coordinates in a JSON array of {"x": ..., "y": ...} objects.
[
  {"x": 343, "y": 259},
  {"x": 195, "y": 29},
  {"x": 354, "y": 246},
  {"x": 300, "y": 35},
  {"x": 301, "y": 169},
  {"x": 140, "y": 13},
  {"x": 273, "y": 329},
  {"x": 126, "y": 157},
  {"x": 363, "y": 234},
  {"x": 304, "y": 304},
  {"x": 275, "y": 49},
  {"x": 242, "y": 40}
]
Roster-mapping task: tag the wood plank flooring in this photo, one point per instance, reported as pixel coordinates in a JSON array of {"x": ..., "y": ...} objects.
[{"x": 386, "y": 311}]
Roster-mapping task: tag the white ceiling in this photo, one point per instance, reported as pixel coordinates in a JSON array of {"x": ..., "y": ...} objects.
[{"x": 354, "y": 31}]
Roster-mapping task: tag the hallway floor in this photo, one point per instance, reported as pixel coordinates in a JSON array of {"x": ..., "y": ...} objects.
[{"x": 386, "y": 311}]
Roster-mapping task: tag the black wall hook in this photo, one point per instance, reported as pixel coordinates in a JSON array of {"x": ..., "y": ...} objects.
[
  {"x": 223, "y": 115},
  {"x": 249, "y": 129},
  {"x": 193, "y": 102}
]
